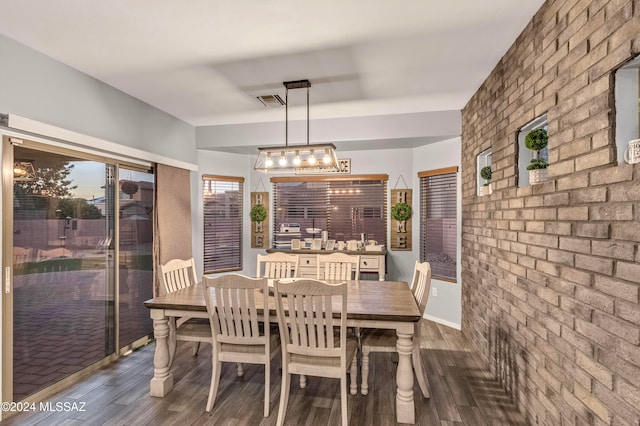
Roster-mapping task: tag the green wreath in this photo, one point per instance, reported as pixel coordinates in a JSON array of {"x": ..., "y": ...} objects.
[
  {"x": 401, "y": 212},
  {"x": 258, "y": 213}
]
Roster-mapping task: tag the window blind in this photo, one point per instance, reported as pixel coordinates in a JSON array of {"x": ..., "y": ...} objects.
[
  {"x": 222, "y": 223},
  {"x": 438, "y": 222},
  {"x": 343, "y": 207}
]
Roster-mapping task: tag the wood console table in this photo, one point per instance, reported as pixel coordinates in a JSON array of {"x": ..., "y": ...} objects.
[{"x": 370, "y": 261}]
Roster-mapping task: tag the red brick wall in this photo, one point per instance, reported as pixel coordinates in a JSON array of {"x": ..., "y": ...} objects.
[{"x": 551, "y": 272}]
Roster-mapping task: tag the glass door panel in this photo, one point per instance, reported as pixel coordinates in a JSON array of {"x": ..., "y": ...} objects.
[
  {"x": 136, "y": 248},
  {"x": 63, "y": 267}
]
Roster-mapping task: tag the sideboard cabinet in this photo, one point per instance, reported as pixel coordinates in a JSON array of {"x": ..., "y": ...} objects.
[{"x": 370, "y": 261}]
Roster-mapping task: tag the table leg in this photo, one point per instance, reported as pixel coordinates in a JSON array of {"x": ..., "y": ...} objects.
[
  {"x": 162, "y": 381},
  {"x": 405, "y": 408}
]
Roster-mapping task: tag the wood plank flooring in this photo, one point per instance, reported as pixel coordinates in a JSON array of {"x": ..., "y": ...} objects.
[{"x": 463, "y": 392}]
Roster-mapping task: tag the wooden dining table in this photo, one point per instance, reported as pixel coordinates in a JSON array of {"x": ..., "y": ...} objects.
[{"x": 370, "y": 304}]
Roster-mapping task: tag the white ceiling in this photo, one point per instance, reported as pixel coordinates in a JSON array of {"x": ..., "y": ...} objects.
[{"x": 204, "y": 61}]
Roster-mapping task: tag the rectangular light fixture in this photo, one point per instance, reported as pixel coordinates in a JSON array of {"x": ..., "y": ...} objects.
[
  {"x": 297, "y": 158},
  {"x": 300, "y": 157}
]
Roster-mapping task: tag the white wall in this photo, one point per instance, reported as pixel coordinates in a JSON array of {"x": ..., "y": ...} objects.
[
  {"x": 446, "y": 307},
  {"x": 37, "y": 87}
]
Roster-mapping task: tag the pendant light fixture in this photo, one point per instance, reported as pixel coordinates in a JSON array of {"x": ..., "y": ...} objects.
[
  {"x": 298, "y": 158},
  {"x": 23, "y": 171}
]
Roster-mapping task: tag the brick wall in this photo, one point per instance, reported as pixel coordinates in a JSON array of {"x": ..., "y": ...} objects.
[{"x": 551, "y": 272}]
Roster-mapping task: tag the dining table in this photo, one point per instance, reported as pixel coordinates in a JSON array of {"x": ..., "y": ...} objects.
[{"x": 370, "y": 304}]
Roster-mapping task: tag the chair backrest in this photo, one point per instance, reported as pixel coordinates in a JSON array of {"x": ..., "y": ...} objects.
[
  {"x": 338, "y": 266},
  {"x": 232, "y": 308},
  {"x": 421, "y": 284},
  {"x": 277, "y": 265},
  {"x": 177, "y": 274},
  {"x": 21, "y": 255},
  {"x": 307, "y": 323}
]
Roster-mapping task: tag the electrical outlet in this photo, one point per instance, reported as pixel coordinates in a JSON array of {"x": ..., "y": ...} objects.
[{"x": 434, "y": 292}]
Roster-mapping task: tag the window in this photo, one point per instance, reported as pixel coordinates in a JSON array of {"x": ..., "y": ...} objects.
[
  {"x": 345, "y": 207},
  {"x": 222, "y": 223},
  {"x": 627, "y": 95},
  {"x": 438, "y": 222},
  {"x": 525, "y": 155}
]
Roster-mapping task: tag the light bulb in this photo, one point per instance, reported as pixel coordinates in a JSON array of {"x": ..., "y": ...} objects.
[
  {"x": 283, "y": 159},
  {"x": 312, "y": 158},
  {"x": 326, "y": 159},
  {"x": 297, "y": 159},
  {"x": 268, "y": 162}
]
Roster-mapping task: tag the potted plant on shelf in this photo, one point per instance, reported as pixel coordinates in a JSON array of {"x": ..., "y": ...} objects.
[
  {"x": 485, "y": 173},
  {"x": 536, "y": 140}
]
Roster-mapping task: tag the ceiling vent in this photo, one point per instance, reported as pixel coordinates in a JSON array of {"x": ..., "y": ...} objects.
[{"x": 271, "y": 101}]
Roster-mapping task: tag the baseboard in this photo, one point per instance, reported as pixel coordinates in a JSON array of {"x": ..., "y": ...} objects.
[{"x": 443, "y": 322}]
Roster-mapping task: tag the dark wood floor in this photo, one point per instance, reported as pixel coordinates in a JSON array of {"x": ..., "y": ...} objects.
[{"x": 463, "y": 392}]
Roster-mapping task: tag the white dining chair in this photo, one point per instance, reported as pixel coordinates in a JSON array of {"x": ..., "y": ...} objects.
[
  {"x": 381, "y": 340},
  {"x": 338, "y": 266},
  {"x": 277, "y": 265},
  {"x": 238, "y": 335},
  {"x": 177, "y": 274},
  {"x": 308, "y": 310}
]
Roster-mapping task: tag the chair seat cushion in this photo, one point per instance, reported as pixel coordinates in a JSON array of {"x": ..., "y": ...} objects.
[
  {"x": 352, "y": 348},
  {"x": 251, "y": 349},
  {"x": 195, "y": 327}
]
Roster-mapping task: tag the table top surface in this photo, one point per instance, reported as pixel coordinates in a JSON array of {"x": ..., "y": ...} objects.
[{"x": 366, "y": 300}]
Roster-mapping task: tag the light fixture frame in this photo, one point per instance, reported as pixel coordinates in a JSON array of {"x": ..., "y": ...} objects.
[
  {"x": 28, "y": 172},
  {"x": 313, "y": 157}
]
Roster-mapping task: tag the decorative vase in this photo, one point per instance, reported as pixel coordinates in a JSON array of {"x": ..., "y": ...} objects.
[{"x": 538, "y": 176}]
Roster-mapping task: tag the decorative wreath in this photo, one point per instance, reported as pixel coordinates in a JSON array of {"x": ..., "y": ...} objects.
[
  {"x": 401, "y": 212},
  {"x": 258, "y": 213}
]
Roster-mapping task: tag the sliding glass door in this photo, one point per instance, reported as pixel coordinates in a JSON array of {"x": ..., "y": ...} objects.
[
  {"x": 77, "y": 243},
  {"x": 136, "y": 195}
]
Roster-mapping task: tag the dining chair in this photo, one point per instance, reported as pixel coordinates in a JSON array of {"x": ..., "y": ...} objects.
[
  {"x": 177, "y": 274},
  {"x": 338, "y": 266},
  {"x": 238, "y": 335},
  {"x": 277, "y": 265},
  {"x": 380, "y": 340},
  {"x": 308, "y": 310}
]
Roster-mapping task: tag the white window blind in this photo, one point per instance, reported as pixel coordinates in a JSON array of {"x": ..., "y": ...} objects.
[
  {"x": 345, "y": 207},
  {"x": 222, "y": 223},
  {"x": 438, "y": 222}
]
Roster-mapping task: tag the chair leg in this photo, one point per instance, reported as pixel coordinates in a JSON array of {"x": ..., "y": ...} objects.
[
  {"x": 343, "y": 399},
  {"x": 284, "y": 397},
  {"x": 267, "y": 386},
  {"x": 364, "y": 386},
  {"x": 303, "y": 381},
  {"x": 196, "y": 348},
  {"x": 354, "y": 376},
  {"x": 240, "y": 370},
  {"x": 215, "y": 381},
  {"x": 421, "y": 373}
]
